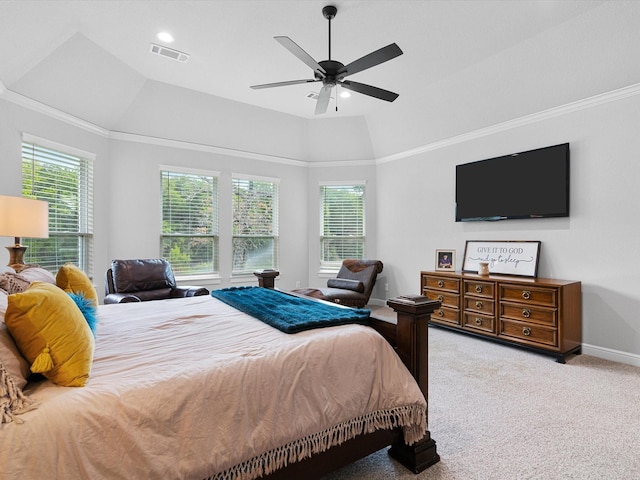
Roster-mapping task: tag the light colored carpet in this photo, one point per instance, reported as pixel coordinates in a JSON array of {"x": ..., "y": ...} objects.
[{"x": 497, "y": 412}]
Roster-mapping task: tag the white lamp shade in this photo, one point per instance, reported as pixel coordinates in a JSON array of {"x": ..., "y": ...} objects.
[{"x": 23, "y": 217}]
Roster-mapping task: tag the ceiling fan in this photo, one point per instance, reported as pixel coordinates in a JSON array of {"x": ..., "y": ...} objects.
[{"x": 332, "y": 73}]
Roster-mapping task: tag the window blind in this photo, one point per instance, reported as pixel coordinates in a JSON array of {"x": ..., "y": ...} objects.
[
  {"x": 66, "y": 182},
  {"x": 189, "y": 239},
  {"x": 255, "y": 224},
  {"x": 342, "y": 223}
]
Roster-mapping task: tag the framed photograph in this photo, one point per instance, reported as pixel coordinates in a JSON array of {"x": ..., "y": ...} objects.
[
  {"x": 504, "y": 257},
  {"x": 446, "y": 260}
]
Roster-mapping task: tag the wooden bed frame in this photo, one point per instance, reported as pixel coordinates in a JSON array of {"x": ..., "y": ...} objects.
[{"x": 409, "y": 338}]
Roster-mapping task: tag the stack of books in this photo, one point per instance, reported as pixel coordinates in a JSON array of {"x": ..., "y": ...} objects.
[{"x": 412, "y": 299}]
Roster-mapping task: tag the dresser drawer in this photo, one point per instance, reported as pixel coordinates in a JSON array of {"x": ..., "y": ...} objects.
[
  {"x": 446, "y": 299},
  {"x": 529, "y": 313},
  {"x": 526, "y": 294},
  {"x": 479, "y": 289},
  {"x": 448, "y": 316},
  {"x": 481, "y": 305},
  {"x": 475, "y": 321},
  {"x": 442, "y": 283},
  {"x": 528, "y": 333}
]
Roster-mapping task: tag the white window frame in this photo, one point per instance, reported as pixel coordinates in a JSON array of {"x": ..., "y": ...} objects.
[
  {"x": 84, "y": 232},
  {"x": 214, "y": 273},
  {"x": 275, "y": 223},
  {"x": 327, "y": 266}
]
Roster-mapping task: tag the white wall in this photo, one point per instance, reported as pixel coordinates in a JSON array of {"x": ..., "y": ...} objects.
[
  {"x": 16, "y": 120},
  {"x": 596, "y": 245},
  {"x": 410, "y": 202},
  {"x": 169, "y": 112},
  {"x": 126, "y": 184},
  {"x": 363, "y": 171},
  {"x": 134, "y": 205}
]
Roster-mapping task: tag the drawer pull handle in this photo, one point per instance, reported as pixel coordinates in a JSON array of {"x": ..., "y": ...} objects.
[
  {"x": 440, "y": 298},
  {"x": 526, "y": 313},
  {"x": 526, "y": 331},
  {"x": 440, "y": 283},
  {"x": 440, "y": 313},
  {"x": 478, "y": 321},
  {"x": 478, "y": 288},
  {"x": 478, "y": 304},
  {"x": 526, "y": 294}
]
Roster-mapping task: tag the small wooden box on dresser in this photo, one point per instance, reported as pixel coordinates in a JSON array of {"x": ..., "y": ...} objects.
[{"x": 539, "y": 314}]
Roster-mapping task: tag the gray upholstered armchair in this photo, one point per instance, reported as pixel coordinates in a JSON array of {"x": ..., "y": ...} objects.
[
  {"x": 143, "y": 280},
  {"x": 352, "y": 286}
]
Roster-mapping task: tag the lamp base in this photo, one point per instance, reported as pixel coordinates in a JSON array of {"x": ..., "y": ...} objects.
[{"x": 16, "y": 255}]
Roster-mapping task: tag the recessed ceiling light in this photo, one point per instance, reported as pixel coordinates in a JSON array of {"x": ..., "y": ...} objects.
[
  {"x": 165, "y": 37},
  {"x": 345, "y": 94}
]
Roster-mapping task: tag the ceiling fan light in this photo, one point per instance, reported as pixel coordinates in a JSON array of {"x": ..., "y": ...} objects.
[{"x": 165, "y": 37}]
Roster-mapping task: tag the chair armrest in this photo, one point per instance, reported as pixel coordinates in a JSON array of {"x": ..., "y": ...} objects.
[
  {"x": 120, "y": 298},
  {"x": 188, "y": 291}
]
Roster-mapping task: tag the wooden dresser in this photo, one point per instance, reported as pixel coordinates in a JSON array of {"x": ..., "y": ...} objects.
[{"x": 539, "y": 314}]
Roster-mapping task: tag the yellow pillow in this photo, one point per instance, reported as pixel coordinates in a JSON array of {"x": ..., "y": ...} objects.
[
  {"x": 73, "y": 280},
  {"x": 51, "y": 333}
]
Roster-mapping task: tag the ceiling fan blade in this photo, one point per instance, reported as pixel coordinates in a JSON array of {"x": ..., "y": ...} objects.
[
  {"x": 282, "y": 84},
  {"x": 294, "y": 48},
  {"x": 323, "y": 99},
  {"x": 369, "y": 90},
  {"x": 371, "y": 60}
]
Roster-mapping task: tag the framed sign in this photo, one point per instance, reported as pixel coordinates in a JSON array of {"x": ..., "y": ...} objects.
[
  {"x": 504, "y": 257},
  {"x": 446, "y": 260}
]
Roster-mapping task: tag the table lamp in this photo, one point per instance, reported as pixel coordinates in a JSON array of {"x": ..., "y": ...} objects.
[{"x": 22, "y": 217}]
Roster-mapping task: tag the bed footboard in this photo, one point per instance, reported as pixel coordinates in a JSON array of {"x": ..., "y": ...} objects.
[{"x": 410, "y": 338}]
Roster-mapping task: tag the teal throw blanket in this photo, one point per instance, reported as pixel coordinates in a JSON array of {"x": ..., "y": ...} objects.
[{"x": 288, "y": 313}]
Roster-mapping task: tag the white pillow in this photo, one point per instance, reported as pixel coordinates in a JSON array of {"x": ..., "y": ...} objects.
[{"x": 37, "y": 274}]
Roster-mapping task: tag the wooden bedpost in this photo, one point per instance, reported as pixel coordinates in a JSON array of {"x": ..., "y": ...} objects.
[
  {"x": 412, "y": 346},
  {"x": 266, "y": 278}
]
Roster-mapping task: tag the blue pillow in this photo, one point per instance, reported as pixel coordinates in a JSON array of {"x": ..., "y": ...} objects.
[{"x": 87, "y": 308}]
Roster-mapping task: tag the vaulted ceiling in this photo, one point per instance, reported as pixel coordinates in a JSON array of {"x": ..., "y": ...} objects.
[{"x": 466, "y": 64}]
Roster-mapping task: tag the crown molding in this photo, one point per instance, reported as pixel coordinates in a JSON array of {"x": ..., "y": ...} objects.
[
  {"x": 572, "y": 107},
  {"x": 590, "y": 102},
  {"x": 52, "y": 112},
  {"x": 342, "y": 163},
  {"x": 200, "y": 147}
]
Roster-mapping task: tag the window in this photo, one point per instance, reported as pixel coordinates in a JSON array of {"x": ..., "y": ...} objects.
[
  {"x": 341, "y": 223},
  {"x": 65, "y": 180},
  {"x": 255, "y": 224},
  {"x": 189, "y": 239}
]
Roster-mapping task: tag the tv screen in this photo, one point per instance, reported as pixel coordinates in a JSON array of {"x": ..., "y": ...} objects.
[{"x": 532, "y": 184}]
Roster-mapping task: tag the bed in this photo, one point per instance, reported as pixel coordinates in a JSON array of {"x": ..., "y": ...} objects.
[{"x": 195, "y": 389}]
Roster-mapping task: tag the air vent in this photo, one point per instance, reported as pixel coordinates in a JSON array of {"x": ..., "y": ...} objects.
[{"x": 169, "y": 53}]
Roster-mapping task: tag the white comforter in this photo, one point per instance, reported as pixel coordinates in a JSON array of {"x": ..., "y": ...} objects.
[{"x": 191, "y": 388}]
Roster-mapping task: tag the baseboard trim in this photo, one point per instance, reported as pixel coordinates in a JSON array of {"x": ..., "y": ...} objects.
[
  {"x": 613, "y": 355},
  {"x": 587, "y": 349},
  {"x": 377, "y": 302}
]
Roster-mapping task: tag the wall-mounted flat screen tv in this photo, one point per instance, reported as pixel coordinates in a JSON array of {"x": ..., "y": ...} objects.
[{"x": 532, "y": 184}]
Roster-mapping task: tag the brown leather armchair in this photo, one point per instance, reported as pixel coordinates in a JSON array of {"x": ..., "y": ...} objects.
[
  {"x": 143, "y": 280},
  {"x": 352, "y": 286}
]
